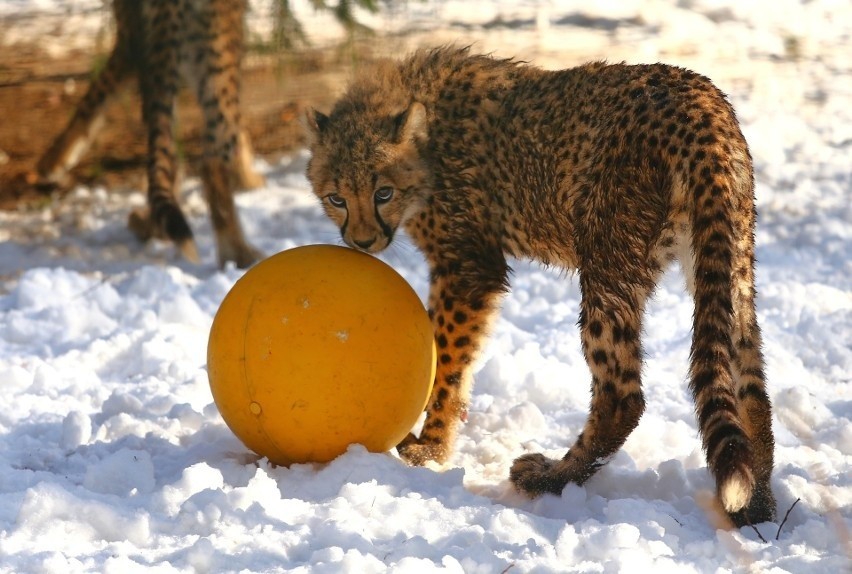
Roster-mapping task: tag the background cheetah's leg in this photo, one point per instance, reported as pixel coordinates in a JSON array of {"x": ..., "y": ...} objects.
[
  {"x": 610, "y": 323},
  {"x": 71, "y": 145},
  {"x": 461, "y": 323},
  {"x": 247, "y": 176},
  {"x": 158, "y": 79},
  {"x": 224, "y": 165}
]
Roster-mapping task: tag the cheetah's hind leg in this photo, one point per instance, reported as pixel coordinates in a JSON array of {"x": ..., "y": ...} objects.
[{"x": 610, "y": 335}]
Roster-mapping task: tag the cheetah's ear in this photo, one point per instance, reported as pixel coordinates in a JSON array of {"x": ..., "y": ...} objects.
[
  {"x": 412, "y": 124},
  {"x": 317, "y": 122}
]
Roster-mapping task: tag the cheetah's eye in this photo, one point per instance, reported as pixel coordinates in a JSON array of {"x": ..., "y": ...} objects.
[
  {"x": 383, "y": 194},
  {"x": 336, "y": 200}
]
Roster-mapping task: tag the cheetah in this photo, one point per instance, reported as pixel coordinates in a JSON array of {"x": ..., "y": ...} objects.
[
  {"x": 609, "y": 170},
  {"x": 164, "y": 42}
]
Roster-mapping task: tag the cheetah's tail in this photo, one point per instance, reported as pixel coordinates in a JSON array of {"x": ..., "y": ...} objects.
[{"x": 728, "y": 449}]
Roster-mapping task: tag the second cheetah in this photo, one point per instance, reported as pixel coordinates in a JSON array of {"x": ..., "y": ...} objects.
[
  {"x": 162, "y": 43},
  {"x": 612, "y": 170}
]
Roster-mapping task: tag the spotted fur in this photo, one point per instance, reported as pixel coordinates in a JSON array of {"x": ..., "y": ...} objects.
[
  {"x": 165, "y": 43},
  {"x": 613, "y": 170}
]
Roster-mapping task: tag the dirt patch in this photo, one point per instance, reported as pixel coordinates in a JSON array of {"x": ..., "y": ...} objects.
[{"x": 39, "y": 93}]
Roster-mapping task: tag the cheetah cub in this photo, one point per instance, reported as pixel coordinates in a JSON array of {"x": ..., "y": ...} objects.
[
  {"x": 165, "y": 42},
  {"x": 612, "y": 170}
]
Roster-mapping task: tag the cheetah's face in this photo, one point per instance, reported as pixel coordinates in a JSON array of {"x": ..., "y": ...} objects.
[{"x": 368, "y": 174}]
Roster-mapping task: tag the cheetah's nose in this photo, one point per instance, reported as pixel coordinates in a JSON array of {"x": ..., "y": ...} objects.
[{"x": 364, "y": 243}]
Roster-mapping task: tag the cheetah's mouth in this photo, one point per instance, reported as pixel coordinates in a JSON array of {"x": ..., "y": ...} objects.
[{"x": 370, "y": 245}]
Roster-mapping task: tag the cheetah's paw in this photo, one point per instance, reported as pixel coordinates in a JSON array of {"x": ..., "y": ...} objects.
[
  {"x": 535, "y": 474},
  {"x": 416, "y": 452}
]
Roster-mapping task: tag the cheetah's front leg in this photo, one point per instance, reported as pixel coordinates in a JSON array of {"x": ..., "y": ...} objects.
[{"x": 461, "y": 323}]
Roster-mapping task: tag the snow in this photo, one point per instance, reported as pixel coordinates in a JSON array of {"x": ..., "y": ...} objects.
[{"x": 113, "y": 457}]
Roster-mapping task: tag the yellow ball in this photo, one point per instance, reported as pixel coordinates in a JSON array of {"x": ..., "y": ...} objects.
[{"x": 317, "y": 348}]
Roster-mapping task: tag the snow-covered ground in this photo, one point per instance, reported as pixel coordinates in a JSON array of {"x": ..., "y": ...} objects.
[{"x": 114, "y": 459}]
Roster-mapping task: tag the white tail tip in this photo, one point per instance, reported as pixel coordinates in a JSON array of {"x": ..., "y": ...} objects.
[{"x": 735, "y": 493}]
